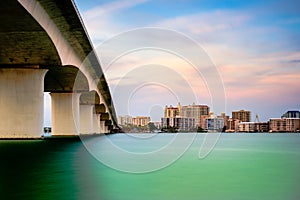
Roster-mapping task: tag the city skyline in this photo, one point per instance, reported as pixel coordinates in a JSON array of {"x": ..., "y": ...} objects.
[
  {"x": 242, "y": 115},
  {"x": 197, "y": 118},
  {"x": 254, "y": 46}
]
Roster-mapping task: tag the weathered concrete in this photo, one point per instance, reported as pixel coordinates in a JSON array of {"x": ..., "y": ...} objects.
[
  {"x": 21, "y": 102},
  {"x": 65, "y": 79},
  {"x": 103, "y": 128},
  {"x": 65, "y": 113},
  {"x": 96, "y": 123},
  {"x": 50, "y": 33},
  {"x": 86, "y": 119}
]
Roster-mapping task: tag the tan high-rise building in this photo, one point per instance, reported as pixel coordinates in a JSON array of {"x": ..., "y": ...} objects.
[
  {"x": 141, "y": 120},
  {"x": 194, "y": 111},
  {"x": 242, "y": 115},
  {"x": 232, "y": 125},
  {"x": 190, "y": 112},
  {"x": 171, "y": 112}
]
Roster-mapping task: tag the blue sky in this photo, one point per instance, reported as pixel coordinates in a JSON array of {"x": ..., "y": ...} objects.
[{"x": 255, "y": 46}]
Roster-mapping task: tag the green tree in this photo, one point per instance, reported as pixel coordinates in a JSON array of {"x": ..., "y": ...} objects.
[{"x": 152, "y": 127}]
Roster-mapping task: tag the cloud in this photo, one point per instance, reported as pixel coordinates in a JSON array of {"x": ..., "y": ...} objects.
[
  {"x": 100, "y": 20},
  {"x": 110, "y": 8},
  {"x": 254, "y": 48}
]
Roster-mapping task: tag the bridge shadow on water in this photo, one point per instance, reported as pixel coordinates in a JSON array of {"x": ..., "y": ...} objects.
[{"x": 47, "y": 169}]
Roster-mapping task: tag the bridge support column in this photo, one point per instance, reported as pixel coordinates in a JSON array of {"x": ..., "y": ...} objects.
[
  {"x": 86, "y": 118},
  {"x": 103, "y": 128},
  {"x": 96, "y": 123},
  {"x": 65, "y": 113},
  {"x": 21, "y": 102}
]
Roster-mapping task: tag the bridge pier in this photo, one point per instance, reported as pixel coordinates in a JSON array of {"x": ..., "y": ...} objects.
[
  {"x": 86, "y": 119},
  {"x": 103, "y": 128},
  {"x": 105, "y": 122},
  {"x": 65, "y": 113},
  {"x": 96, "y": 123},
  {"x": 21, "y": 102}
]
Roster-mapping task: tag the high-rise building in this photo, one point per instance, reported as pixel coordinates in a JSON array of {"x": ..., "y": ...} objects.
[
  {"x": 242, "y": 115},
  {"x": 193, "y": 111},
  {"x": 203, "y": 121},
  {"x": 214, "y": 123},
  {"x": 291, "y": 114},
  {"x": 185, "y": 117},
  {"x": 225, "y": 117},
  {"x": 180, "y": 123},
  {"x": 171, "y": 111},
  {"x": 232, "y": 125},
  {"x": 284, "y": 124},
  {"x": 124, "y": 120},
  {"x": 141, "y": 120},
  {"x": 190, "y": 112}
]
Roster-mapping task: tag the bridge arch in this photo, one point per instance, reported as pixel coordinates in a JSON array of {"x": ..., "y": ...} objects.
[{"x": 46, "y": 45}]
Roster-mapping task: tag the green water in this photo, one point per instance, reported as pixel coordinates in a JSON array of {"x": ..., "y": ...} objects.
[{"x": 241, "y": 166}]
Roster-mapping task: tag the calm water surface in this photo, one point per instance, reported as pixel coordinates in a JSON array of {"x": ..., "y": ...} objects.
[{"x": 242, "y": 166}]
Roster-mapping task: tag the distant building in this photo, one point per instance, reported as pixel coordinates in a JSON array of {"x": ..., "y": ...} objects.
[
  {"x": 214, "y": 123},
  {"x": 253, "y": 127},
  {"x": 291, "y": 114},
  {"x": 261, "y": 126},
  {"x": 246, "y": 127},
  {"x": 225, "y": 117},
  {"x": 193, "y": 111},
  {"x": 124, "y": 120},
  {"x": 242, "y": 115},
  {"x": 232, "y": 125},
  {"x": 190, "y": 111},
  {"x": 141, "y": 120},
  {"x": 203, "y": 121},
  {"x": 284, "y": 124},
  {"x": 180, "y": 123},
  {"x": 171, "y": 111},
  {"x": 277, "y": 125}
]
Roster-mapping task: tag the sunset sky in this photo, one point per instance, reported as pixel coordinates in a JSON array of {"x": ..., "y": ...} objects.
[{"x": 255, "y": 46}]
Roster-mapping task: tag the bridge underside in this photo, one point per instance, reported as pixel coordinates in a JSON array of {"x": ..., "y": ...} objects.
[{"x": 33, "y": 61}]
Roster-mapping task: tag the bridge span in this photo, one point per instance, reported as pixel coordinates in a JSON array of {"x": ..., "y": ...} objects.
[{"x": 44, "y": 47}]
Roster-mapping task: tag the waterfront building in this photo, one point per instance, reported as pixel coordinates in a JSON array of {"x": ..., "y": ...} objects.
[
  {"x": 214, "y": 123},
  {"x": 124, "y": 120},
  {"x": 261, "y": 126},
  {"x": 246, "y": 127},
  {"x": 292, "y": 124},
  {"x": 232, "y": 125},
  {"x": 203, "y": 121},
  {"x": 242, "y": 115},
  {"x": 190, "y": 111},
  {"x": 180, "y": 123},
  {"x": 141, "y": 120},
  {"x": 253, "y": 127},
  {"x": 277, "y": 125},
  {"x": 291, "y": 114},
  {"x": 193, "y": 111},
  {"x": 225, "y": 117},
  {"x": 171, "y": 111},
  {"x": 284, "y": 124}
]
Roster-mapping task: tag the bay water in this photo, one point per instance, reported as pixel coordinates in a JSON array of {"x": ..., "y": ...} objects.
[{"x": 241, "y": 166}]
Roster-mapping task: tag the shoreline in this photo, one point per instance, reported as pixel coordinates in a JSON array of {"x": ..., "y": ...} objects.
[{"x": 78, "y": 137}]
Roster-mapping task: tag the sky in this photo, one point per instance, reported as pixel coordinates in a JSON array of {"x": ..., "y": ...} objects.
[{"x": 254, "y": 46}]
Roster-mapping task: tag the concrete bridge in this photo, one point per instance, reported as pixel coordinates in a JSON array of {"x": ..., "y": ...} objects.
[{"x": 44, "y": 47}]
